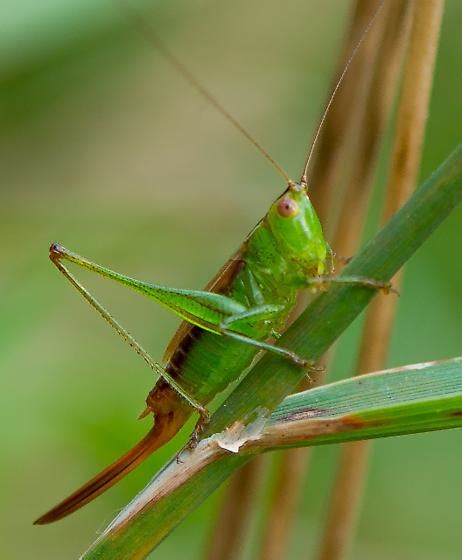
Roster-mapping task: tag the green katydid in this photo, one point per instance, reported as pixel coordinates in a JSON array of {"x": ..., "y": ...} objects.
[{"x": 225, "y": 326}]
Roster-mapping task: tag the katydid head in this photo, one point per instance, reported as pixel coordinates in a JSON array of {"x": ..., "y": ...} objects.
[{"x": 297, "y": 230}]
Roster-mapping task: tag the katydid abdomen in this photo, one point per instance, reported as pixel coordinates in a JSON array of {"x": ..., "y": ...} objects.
[{"x": 223, "y": 335}]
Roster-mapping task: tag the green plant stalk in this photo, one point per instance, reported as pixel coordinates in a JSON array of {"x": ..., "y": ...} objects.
[{"x": 140, "y": 527}]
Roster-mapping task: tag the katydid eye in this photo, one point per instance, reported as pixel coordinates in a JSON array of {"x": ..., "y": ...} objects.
[{"x": 287, "y": 207}]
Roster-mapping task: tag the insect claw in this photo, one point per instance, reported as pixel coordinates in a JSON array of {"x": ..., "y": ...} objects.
[
  {"x": 55, "y": 252},
  {"x": 317, "y": 368},
  {"x": 204, "y": 416},
  {"x": 387, "y": 288},
  {"x": 341, "y": 259},
  {"x": 313, "y": 371},
  {"x": 305, "y": 364},
  {"x": 299, "y": 361}
]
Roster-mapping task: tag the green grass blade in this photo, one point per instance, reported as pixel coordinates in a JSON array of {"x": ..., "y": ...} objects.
[
  {"x": 411, "y": 399},
  {"x": 141, "y": 526}
]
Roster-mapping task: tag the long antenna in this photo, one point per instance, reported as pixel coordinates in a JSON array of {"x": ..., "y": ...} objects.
[
  {"x": 148, "y": 33},
  {"x": 304, "y": 177}
]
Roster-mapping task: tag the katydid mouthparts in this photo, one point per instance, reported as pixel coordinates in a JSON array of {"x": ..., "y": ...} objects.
[{"x": 225, "y": 326}]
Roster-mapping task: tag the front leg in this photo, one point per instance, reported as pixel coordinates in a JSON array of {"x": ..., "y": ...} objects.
[{"x": 322, "y": 281}]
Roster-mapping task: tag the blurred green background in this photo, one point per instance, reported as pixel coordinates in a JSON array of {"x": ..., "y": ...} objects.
[{"x": 105, "y": 149}]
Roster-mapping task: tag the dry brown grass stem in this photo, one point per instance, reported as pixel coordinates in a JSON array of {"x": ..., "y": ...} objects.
[
  {"x": 368, "y": 116},
  {"x": 341, "y": 123},
  {"x": 373, "y": 119},
  {"x": 337, "y": 134},
  {"x": 283, "y": 503},
  {"x": 226, "y": 540},
  {"x": 412, "y": 115},
  {"x": 352, "y": 133}
]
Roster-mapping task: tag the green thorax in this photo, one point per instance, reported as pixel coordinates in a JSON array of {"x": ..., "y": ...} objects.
[{"x": 283, "y": 250}]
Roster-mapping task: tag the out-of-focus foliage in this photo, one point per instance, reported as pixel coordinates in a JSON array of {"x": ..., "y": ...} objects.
[{"x": 105, "y": 149}]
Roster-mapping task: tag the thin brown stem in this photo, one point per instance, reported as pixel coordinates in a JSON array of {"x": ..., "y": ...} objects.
[
  {"x": 234, "y": 514},
  {"x": 373, "y": 119},
  {"x": 341, "y": 124},
  {"x": 336, "y": 135},
  {"x": 330, "y": 101},
  {"x": 368, "y": 116},
  {"x": 412, "y": 115},
  {"x": 284, "y": 502}
]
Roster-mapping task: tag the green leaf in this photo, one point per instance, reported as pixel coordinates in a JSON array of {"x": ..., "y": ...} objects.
[
  {"x": 178, "y": 489},
  {"x": 405, "y": 400}
]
